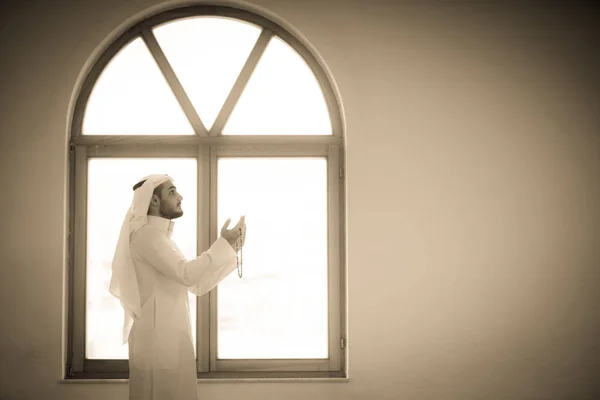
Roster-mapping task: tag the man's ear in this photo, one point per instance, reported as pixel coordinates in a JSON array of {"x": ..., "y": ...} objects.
[{"x": 155, "y": 200}]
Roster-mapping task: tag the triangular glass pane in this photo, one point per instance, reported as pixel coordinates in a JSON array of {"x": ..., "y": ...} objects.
[
  {"x": 132, "y": 97},
  {"x": 207, "y": 55},
  {"x": 282, "y": 97}
]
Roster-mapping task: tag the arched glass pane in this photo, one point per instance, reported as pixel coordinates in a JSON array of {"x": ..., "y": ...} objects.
[
  {"x": 110, "y": 182},
  {"x": 282, "y": 97},
  {"x": 132, "y": 97},
  {"x": 207, "y": 55},
  {"x": 279, "y": 308}
]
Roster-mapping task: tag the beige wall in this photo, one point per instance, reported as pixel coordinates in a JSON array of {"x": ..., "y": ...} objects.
[{"x": 473, "y": 193}]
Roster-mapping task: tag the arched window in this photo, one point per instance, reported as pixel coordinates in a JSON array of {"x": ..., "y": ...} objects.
[{"x": 240, "y": 113}]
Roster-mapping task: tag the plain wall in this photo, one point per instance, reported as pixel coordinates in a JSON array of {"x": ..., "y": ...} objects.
[{"x": 473, "y": 194}]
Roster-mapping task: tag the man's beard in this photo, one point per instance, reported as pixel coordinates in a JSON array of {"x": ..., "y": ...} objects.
[{"x": 171, "y": 213}]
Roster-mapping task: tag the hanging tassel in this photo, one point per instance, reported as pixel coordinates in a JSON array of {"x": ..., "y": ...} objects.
[{"x": 239, "y": 243}]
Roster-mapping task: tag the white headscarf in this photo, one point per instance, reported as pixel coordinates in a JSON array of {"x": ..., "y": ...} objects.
[{"x": 124, "y": 284}]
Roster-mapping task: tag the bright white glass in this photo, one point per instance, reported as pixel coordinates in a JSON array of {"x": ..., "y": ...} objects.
[
  {"x": 278, "y": 309},
  {"x": 282, "y": 97},
  {"x": 132, "y": 97},
  {"x": 110, "y": 183},
  {"x": 207, "y": 55}
]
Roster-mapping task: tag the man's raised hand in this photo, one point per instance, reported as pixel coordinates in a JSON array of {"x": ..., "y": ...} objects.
[{"x": 232, "y": 235}]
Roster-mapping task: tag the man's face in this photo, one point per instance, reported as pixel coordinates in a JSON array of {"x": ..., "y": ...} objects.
[{"x": 170, "y": 201}]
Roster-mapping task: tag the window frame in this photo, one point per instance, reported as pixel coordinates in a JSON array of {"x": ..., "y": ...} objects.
[{"x": 207, "y": 146}]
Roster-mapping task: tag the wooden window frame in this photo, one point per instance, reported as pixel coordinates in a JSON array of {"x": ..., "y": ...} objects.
[{"x": 206, "y": 146}]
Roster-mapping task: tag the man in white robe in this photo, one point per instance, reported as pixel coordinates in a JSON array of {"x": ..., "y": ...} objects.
[{"x": 151, "y": 278}]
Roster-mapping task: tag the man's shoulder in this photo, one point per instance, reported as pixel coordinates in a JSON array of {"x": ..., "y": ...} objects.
[{"x": 144, "y": 233}]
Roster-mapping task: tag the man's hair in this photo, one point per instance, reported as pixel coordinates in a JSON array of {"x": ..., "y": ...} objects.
[{"x": 156, "y": 189}]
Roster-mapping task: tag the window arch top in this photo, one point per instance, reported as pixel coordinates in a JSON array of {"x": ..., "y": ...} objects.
[{"x": 207, "y": 75}]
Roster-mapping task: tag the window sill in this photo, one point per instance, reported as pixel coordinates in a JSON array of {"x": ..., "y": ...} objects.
[{"x": 222, "y": 380}]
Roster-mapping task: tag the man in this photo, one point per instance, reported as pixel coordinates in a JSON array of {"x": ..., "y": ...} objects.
[{"x": 151, "y": 278}]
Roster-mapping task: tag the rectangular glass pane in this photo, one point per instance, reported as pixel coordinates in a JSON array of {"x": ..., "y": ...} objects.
[
  {"x": 110, "y": 183},
  {"x": 278, "y": 309}
]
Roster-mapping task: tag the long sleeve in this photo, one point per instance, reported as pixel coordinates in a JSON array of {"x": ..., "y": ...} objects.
[
  {"x": 210, "y": 280},
  {"x": 203, "y": 272}
]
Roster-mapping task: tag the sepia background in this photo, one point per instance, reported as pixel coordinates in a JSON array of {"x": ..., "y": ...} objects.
[{"x": 473, "y": 193}]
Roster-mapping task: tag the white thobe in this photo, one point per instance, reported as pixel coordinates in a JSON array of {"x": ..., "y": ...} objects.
[{"x": 162, "y": 365}]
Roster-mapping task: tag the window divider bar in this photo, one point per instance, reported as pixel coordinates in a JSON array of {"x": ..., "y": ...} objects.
[
  {"x": 316, "y": 150},
  {"x": 190, "y": 140},
  {"x": 143, "y": 151},
  {"x": 269, "y": 364},
  {"x": 173, "y": 82},
  {"x": 280, "y": 376},
  {"x": 213, "y": 235},
  {"x": 333, "y": 258},
  {"x": 69, "y": 281},
  {"x": 79, "y": 261},
  {"x": 343, "y": 284},
  {"x": 241, "y": 82},
  {"x": 203, "y": 226}
]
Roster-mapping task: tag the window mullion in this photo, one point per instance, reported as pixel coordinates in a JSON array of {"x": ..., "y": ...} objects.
[
  {"x": 333, "y": 246},
  {"x": 213, "y": 236},
  {"x": 271, "y": 150},
  {"x": 202, "y": 302},
  {"x": 141, "y": 150},
  {"x": 78, "y": 298},
  {"x": 341, "y": 251},
  {"x": 191, "y": 140}
]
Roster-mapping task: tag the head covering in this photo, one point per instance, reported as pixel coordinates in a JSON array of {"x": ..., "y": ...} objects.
[{"x": 124, "y": 284}]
